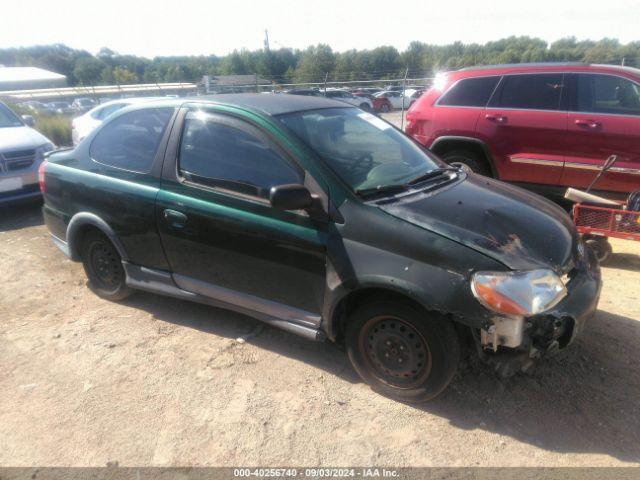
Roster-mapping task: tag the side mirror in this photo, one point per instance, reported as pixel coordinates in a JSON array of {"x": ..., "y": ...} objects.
[
  {"x": 28, "y": 120},
  {"x": 290, "y": 197}
]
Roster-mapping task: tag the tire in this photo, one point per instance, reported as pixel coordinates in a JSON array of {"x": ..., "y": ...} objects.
[
  {"x": 365, "y": 107},
  {"x": 385, "y": 108},
  {"x": 468, "y": 160},
  {"x": 401, "y": 351},
  {"x": 103, "y": 267},
  {"x": 601, "y": 248}
]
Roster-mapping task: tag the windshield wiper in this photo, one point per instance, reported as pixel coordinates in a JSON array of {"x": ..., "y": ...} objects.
[
  {"x": 380, "y": 189},
  {"x": 436, "y": 172}
]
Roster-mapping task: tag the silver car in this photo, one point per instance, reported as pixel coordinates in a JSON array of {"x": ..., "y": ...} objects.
[{"x": 22, "y": 150}]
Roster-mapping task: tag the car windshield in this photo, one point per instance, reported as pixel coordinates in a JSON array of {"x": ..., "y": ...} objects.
[
  {"x": 8, "y": 118},
  {"x": 364, "y": 150}
]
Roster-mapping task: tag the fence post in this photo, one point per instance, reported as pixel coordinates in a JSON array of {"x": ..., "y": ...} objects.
[
  {"x": 256, "y": 77},
  {"x": 326, "y": 76},
  {"x": 404, "y": 89}
]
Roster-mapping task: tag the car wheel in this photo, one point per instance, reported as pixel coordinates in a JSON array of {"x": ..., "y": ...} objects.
[
  {"x": 401, "y": 351},
  {"x": 384, "y": 108},
  {"x": 601, "y": 248},
  {"x": 467, "y": 160},
  {"x": 365, "y": 107},
  {"x": 103, "y": 267}
]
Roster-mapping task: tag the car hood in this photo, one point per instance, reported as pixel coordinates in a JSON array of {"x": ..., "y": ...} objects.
[
  {"x": 513, "y": 226},
  {"x": 18, "y": 138}
]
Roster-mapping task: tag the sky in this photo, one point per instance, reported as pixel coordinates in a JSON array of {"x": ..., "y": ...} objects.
[{"x": 203, "y": 27}]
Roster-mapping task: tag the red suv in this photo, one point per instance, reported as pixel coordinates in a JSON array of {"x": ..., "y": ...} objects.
[{"x": 544, "y": 126}]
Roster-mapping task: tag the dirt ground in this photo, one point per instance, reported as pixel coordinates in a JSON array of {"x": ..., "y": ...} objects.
[{"x": 159, "y": 381}]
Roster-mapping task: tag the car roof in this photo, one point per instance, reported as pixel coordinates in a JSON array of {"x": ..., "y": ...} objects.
[
  {"x": 272, "y": 104},
  {"x": 539, "y": 67}
]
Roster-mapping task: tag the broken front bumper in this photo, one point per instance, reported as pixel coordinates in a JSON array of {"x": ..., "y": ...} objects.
[{"x": 551, "y": 331}]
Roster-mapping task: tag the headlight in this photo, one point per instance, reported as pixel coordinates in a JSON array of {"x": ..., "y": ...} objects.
[
  {"x": 42, "y": 149},
  {"x": 518, "y": 293}
]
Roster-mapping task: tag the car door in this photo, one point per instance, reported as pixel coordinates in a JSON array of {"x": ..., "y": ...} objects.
[
  {"x": 526, "y": 128},
  {"x": 221, "y": 236},
  {"x": 604, "y": 120}
]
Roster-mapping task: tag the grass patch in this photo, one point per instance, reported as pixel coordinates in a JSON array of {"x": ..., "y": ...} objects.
[{"x": 56, "y": 128}]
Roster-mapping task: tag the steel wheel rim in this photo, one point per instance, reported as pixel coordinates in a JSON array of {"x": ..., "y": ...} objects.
[
  {"x": 105, "y": 266},
  {"x": 396, "y": 352}
]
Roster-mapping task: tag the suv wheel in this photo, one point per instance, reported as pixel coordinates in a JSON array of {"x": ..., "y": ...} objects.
[
  {"x": 103, "y": 267},
  {"x": 384, "y": 108},
  {"x": 401, "y": 351},
  {"x": 467, "y": 160}
]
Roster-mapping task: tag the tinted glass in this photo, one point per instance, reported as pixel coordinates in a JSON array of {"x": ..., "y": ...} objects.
[
  {"x": 470, "y": 92},
  {"x": 106, "y": 111},
  {"x": 365, "y": 151},
  {"x": 608, "y": 94},
  {"x": 218, "y": 154},
  {"x": 131, "y": 140},
  {"x": 532, "y": 91},
  {"x": 8, "y": 118}
]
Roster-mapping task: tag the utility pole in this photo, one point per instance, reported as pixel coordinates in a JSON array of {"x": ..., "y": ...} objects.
[
  {"x": 266, "y": 40},
  {"x": 404, "y": 89}
]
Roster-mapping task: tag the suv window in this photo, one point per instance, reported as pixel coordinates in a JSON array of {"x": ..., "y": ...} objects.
[
  {"x": 130, "y": 141},
  {"x": 530, "y": 91},
  {"x": 608, "y": 94},
  {"x": 221, "y": 152},
  {"x": 470, "y": 92}
]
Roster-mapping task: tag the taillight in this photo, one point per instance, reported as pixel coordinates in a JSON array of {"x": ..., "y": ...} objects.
[{"x": 41, "y": 172}]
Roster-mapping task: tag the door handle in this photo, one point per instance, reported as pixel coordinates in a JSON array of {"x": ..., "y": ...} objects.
[
  {"x": 496, "y": 118},
  {"x": 175, "y": 219},
  {"x": 587, "y": 123}
]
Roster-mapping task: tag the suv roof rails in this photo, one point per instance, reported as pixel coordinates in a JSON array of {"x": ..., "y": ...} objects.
[{"x": 516, "y": 65}]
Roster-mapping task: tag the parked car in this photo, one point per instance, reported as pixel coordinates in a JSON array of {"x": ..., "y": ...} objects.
[
  {"x": 543, "y": 126},
  {"x": 83, "y": 104},
  {"x": 326, "y": 221},
  {"x": 309, "y": 92},
  {"x": 83, "y": 125},
  {"x": 347, "y": 97},
  {"x": 37, "y": 108},
  {"x": 22, "y": 150},
  {"x": 380, "y": 104},
  {"x": 60, "y": 108},
  {"x": 395, "y": 98}
]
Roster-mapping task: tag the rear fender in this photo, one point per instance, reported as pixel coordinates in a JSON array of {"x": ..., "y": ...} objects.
[{"x": 77, "y": 226}]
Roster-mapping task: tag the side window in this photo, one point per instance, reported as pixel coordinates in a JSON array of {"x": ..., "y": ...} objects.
[
  {"x": 130, "y": 141},
  {"x": 228, "y": 153},
  {"x": 530, "y": 91},
  {"x": 470, "y": 92},
  {"x": 608, "y": 94},
  {"x": 108, "y": 110}
]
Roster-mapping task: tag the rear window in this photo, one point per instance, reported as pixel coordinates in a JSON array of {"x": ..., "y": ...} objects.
[
  {"x": 470, "y": 92},
  {"x": 599, "y": 93},
  {"x": 130, "y": 141},
  {"x": 530, "y": 91}
]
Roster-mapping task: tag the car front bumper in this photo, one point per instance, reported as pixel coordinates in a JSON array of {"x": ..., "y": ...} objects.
[{"x": 548, "y": 333}]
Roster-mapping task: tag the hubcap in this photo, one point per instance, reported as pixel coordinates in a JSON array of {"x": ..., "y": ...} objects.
[{"x": 397, "y": 352}]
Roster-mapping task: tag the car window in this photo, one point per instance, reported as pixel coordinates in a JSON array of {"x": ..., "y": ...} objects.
[
  {"x": 608, "y": 94},
  {"x": 469, "y": 92},
  {"x": 232, "y": 155},
  {"x": 130, "y": 141},
  {"x": 104, "y": 112},
  {"x": 364, "y": 150},
  {"x": 530, "y": 91},
  {"x": 8, "y": 118}
]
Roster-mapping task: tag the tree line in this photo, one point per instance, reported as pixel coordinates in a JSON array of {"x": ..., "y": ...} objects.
[{"x": 312, "y": 64}]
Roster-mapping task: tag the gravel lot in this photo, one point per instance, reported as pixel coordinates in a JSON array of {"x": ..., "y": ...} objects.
[{"x": 158, "y": 381}]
